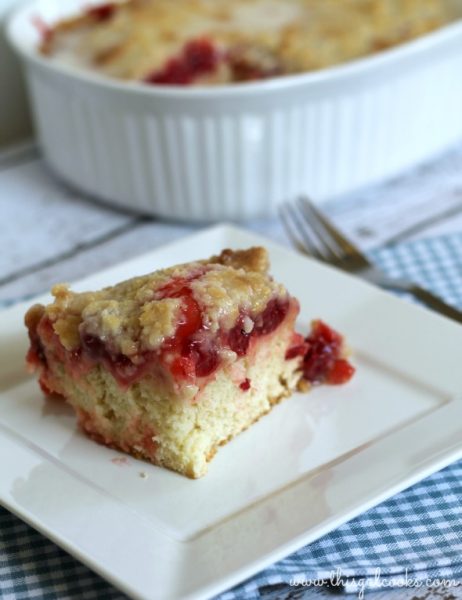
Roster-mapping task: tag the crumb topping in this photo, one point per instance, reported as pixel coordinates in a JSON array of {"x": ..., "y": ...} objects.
[
  {"x": 141, "y": 313},
  {"x": 253, "y": 259},
  {"x": 224, "y": 291},
  {"x": 158, "y": 321},
  {"x": 211, "y": 42}
]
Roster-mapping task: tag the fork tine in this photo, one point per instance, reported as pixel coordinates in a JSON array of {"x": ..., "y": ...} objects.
[
  {"x": 318, "y": 230},
  {"x": 296, "y": 232},
  {"x": 346, "y": 248},
  {"x": 320, "y": 249},
  {"x": 290, "y": 229}
]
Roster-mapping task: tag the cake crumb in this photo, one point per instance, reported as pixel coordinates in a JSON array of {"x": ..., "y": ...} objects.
[
  {"x": 143, "y": 475},
  {"x": 303, "y": 385}
]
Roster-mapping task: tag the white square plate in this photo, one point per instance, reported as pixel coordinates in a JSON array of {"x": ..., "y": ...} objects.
[{"x": 315, "y": 462}]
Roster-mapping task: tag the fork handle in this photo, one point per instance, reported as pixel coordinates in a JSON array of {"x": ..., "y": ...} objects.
[
  {"x": 429, "y": 299},
  {"x": 435, "y": 303}
]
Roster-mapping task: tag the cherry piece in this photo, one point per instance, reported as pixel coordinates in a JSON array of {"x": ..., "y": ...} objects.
[
  {"x": 271, "y": 317},
  {"x": 198, "y": 355},
  {"x": 198, "y": 57},
  {"x": 204, "y": 355},
  {"x": 103, "y": 12},
  {"x": 298, "y": 347},
  {"x": 183, "y": 368},
  {"x": 238, "y": 339},
  {"x": 191, "y": 318},
  {"x": 93, "y": 346},
  {"x": 342, "y": 371},
  {"x": 245, "y": 385},
  {"x": 323, "y": 361}
]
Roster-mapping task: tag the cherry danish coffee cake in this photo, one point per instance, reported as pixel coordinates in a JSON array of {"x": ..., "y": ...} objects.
[{"x": 170, "y": 365}]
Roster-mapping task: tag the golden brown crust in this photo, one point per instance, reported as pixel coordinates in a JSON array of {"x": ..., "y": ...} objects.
[
  {"x": 303, "y": 385},
  {"x": 253, "y": 259},
  {"x": 33, "y": 316}
]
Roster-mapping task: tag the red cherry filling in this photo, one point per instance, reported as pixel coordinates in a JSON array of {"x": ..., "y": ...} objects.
[
  {"x": 94, "y": 347},
  {"x": 198, "y": 57},
  {"x": 204, "y": 354},
  {"x": 190, "y": 319},
  {"x": 238, "y": 340},
  {"x": 192, "y": 352},
  {"x": 197, "y": 355},
  {"x": 201, "y": 56},
  {"x": 103, "y": 12},
  {"x": 271, "y": 317},
  {"x": 298, "y": 347},
  {"x": 183, "y": 368},
  {"x": 199, "y": 358},
  {"x": 201, "y": 351},
  {"x": 341, "y": 372},
  {"x": 266, "y": 322},
  {"x": 245, "y": 385},
  {"x": 323, "y": 361},
  {"x": 121, "y": 366}
]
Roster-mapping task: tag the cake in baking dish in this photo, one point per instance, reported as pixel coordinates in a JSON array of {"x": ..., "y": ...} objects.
[
  {"x": 169, "y": 366},
  {"x": 210, "y": 42}
]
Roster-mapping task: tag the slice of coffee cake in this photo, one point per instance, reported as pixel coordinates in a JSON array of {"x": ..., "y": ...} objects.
[{"x": 170, "y": 365}]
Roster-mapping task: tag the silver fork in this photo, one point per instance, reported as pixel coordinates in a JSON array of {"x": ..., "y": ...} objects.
[{"x": 313, "y": 234}]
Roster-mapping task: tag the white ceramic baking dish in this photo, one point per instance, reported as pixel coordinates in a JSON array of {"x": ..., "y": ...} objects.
[{"x": 235, "y": 152}]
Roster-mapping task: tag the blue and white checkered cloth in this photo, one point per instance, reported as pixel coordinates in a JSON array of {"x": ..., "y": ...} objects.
[{"x": 419, "y": 530}]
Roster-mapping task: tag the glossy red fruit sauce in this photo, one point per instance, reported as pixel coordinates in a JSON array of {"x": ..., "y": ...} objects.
[
  {"x": 201, "y": 57},
  {"x": 298, "y": 347},
  {"x": 275, "y": 312},
  {"x": 323, "y": 362},
  {"x": 196, "y": 354},
  {"x": 122, "y": 368},
  {"x": 197, "y": 58},
  {"x": 190, "y": 352}
]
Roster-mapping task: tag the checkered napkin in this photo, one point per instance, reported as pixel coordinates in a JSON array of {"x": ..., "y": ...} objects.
[{"x": 418, "y": 530}]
